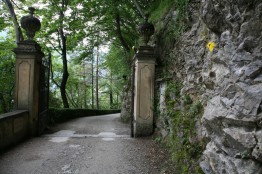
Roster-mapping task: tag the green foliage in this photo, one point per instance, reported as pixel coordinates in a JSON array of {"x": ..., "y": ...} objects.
[
  {"x": 78, "y": 89},
  {"x": 59, "y": 115},
  {"x": 157, "y": 139},
  {"x": 85, "y": 25},
  {"x": 160, "y": 8},
  {"x": 170, "y": 19},
  {"x": 2, "y": 24},
  {"x": 187, "y": 99},
  {"x": 156, "y": 110},
  {"x": 118, "y": 61},
  {"x": 173, "y": 89},
  {"x": 180, "y": 25},
  {"x": 82, "y": 56},
  {"x": 85, "y": 31},
  {"x": 54, "y": 101},
  {"x": 7, "y": 78},
  {"x": 194, "y": 109},
  {"x": 182, "y": 142}
]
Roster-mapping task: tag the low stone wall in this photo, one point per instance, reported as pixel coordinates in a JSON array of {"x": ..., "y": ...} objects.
[{"x": 13, "y": 128}]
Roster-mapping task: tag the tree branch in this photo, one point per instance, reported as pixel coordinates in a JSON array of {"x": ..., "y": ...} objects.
[
  {"x": 18, "y": 6},
  {"x": 18, "y": 31},
  {"x": 71, "y": 99},
  {"x": 53, "y": 46},
  {"x": 59, "y": 41},
  {"x": 52, "y": 73},
  {"x": 119, "y": 32},
  {"x": 139, "y": 9}
]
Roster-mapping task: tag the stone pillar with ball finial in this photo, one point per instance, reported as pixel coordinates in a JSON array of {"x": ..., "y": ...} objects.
[
  {"x": 144, "y": 82},
  {"x": 28, "y": 61}
]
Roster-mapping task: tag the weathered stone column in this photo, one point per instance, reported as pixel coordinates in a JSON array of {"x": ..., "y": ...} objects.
[
  {"x": 144, "y": 91},
  {"x": 28, "y": 62}
]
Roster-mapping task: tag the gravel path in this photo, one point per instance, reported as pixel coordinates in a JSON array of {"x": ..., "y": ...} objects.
[{"x": 90, "y": 145}]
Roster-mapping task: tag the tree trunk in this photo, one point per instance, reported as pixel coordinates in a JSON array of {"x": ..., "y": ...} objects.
[
  {"x": 84, "y": 67},
  {"x": 18, "y": 31},
  {"x": 97, "y": 97},
  {"x": 65, "y": 70},
  {"x": 64, "y": 59},
  {"x": 92, "y": 67},
  {"x": 119, "y": 33},
  {"x": 117, "y": 95},
  {"x": 111, "y": 93},
  {"x": 111, "y": 99}
]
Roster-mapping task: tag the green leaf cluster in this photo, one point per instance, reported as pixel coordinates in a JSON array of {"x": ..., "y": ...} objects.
[
  {"x": 160, "y": 8},
  {"x": 7, "y": 78}
]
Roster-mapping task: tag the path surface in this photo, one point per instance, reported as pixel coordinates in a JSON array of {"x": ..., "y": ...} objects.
[{"x": 90, "y": 145}]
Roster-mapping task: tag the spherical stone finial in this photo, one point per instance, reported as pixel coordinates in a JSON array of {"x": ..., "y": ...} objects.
[
  {"x": 30, "y": 24},
  {"x": 146, "y": 30}
]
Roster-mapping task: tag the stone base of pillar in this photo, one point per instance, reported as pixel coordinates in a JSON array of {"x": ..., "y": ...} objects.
[{"x": 142, "y": 129}]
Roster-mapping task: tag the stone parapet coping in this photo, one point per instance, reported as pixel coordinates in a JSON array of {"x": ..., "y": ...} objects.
[{"x": 13, "y": 114}]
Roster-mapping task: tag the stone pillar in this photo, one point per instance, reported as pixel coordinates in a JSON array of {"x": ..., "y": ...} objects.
[
  {"x": 28, "y": 62},
  {"x": 144, "y": 91}
]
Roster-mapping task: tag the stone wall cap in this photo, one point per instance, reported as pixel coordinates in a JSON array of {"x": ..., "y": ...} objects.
[
  {"x": 146, "y": 59},
  {"x": 146, "y": 49},
  {"x": 13, "y": 114},
  {"x": 142, "y": 53},
  {"x": 28, "y": 47}
]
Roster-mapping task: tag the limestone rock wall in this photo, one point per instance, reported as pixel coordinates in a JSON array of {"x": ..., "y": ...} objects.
[{"x": 227, "y": 80}]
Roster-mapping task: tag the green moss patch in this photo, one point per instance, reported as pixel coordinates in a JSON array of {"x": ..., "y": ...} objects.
[{"x": 182, "y": 141}]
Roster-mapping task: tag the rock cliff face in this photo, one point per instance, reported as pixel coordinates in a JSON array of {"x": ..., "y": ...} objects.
[
  {"x": 233, "y": 115},
  {"x": 227, "y": 80}
]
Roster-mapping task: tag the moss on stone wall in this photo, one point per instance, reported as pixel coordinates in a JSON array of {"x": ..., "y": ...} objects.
[{"x": 182, "y": 116}]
